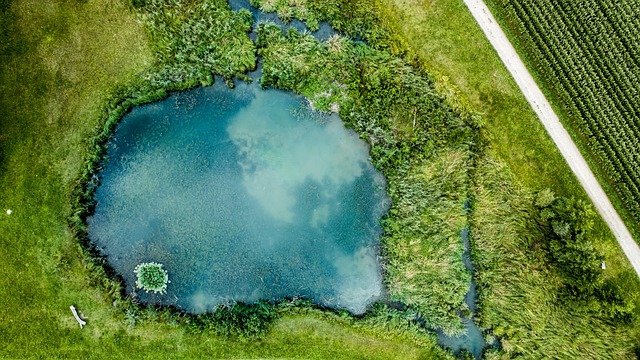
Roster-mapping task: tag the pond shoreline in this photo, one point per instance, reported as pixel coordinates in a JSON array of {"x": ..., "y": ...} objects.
[{"x": 112, "y": 115}]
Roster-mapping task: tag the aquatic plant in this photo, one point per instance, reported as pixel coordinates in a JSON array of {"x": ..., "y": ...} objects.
[
  {"x": 194, "y": 41},
  {"x": 152, "y": 277}
]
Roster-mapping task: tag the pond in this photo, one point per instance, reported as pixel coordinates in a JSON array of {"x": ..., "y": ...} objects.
[{"x": 242, "y": 195}]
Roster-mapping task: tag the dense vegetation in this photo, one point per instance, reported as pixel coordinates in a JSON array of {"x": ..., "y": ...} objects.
[
  {"x": 589, "y": 56},
  {"x": 354, "y": 19},
  {"x": 192, "y": 41},
  {"x": 541, "y": 288}
]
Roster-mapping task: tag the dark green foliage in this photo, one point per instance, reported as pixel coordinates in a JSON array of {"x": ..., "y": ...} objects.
[
  {"x": 589, "y": 53},
  {"x": 193, "y": 41},
  {"x": 617, "y": 298},
  {"x": 422, "y": 239},
  {"x": 238, "y": 320},
  {"x": 138, "y": 3},
  {"x": 566, "y": 225}
]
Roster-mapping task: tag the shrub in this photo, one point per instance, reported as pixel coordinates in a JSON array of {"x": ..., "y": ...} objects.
[
  {"x": 152, "y": 277},
  {"x": 566, "y": 225}
]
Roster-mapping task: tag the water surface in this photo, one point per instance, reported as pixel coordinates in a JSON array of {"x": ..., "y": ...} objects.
[{"x": 242, "y": 194}]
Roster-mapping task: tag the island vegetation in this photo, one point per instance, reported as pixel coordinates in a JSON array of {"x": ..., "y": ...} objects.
[
  {"x": 538, "y": 252},
  {"x": 152, "y": 277}
]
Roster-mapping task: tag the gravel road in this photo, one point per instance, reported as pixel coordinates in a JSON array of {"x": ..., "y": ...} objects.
[{"x": 559, "y": 135}]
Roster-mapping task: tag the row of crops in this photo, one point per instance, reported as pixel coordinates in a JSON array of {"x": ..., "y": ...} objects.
[{"x": 589, "y": 54}]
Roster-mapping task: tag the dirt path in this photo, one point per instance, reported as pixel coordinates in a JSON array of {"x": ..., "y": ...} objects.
[{"x": 559, "y": 135}]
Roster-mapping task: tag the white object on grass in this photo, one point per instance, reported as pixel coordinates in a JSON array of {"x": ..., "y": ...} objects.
[
  {"x": 9, "y": 212},
  {"x": 75, "y": 314}
]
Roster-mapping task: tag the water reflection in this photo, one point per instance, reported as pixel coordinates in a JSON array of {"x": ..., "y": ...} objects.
[{"x": 242, "y": 194}]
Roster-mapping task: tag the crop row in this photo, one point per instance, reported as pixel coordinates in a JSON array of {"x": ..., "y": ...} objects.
[{"x": 589, "y": 54}]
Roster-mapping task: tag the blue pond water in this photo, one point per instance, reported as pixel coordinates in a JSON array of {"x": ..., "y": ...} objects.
[{"x": 242, "y": 194}]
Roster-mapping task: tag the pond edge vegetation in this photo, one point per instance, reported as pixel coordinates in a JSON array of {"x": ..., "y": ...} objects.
[{"x": 238, "y": 320}]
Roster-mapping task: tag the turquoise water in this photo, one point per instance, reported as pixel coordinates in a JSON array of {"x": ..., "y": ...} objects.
[{"x": 242, "y": 194}]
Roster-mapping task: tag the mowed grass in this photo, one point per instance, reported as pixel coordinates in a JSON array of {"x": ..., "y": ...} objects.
[
  {"x": 59, "y": 63},
  {"x": 443, "y": 38}
]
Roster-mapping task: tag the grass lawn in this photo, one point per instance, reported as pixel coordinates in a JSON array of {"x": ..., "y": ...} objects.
[{"x": 60, "y": 61}]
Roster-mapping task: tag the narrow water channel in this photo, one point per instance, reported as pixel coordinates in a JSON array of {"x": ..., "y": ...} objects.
[{"x": 473, "y": 341}]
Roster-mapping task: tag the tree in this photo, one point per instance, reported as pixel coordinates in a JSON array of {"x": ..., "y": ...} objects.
[{"x": 566, "y": 224}]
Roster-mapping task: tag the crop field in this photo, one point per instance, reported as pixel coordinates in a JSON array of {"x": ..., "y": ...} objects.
[{"x": 588, "y": 54}]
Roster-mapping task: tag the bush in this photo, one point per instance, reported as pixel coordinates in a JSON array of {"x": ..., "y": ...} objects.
[
  {"x": 239, "y": 320},
  {"x": 152, "y": 277},
  {"x": 618, "y": 298},
  {"x": 566, "y": 225}
]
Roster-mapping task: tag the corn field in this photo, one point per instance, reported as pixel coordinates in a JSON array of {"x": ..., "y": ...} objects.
[{"x": 588, "y": 52}]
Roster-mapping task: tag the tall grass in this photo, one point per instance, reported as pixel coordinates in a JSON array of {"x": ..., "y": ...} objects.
[
  {"x": 193, "y": 41},
  {"x": 423, "y": 240},
  {"x": 521, "y": 294}
]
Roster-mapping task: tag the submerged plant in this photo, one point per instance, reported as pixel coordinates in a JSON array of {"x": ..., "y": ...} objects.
[{"x": 152, "y": 277}]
